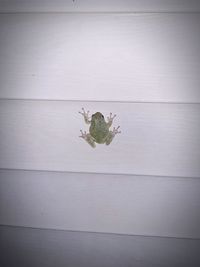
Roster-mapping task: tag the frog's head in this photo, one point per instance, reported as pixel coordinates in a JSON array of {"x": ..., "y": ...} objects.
[{"x": 98, "y": 116}]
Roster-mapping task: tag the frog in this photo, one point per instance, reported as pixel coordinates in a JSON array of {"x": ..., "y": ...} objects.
[{"x": 99, "y": 131}]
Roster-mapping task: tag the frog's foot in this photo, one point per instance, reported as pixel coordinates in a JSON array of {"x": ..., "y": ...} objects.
[
  {"x": 85, "y": 115},
  {"x": 88, "y": 138},
  {"x": 110, "y": 119},
  {"x": 115, "y": 130},
  {"x": 112, "y": 134}
]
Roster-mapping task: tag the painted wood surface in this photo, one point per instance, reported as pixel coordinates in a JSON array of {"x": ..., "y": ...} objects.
[
  {"x": 132, "y": 205},
  {"x": 156, "y": 139},
  {"x": 47, "y": 248},
  {"x": 99, "y": 6},
  {"x": 110, "y": 57}
]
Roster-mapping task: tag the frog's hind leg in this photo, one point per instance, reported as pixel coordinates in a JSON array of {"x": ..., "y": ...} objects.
[
  {"x": 88, "y": 138},
  {"x": 111, "y": 135}
]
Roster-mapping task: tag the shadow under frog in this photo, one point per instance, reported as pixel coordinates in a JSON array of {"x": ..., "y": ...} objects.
[{"x": 99, "y": 131}]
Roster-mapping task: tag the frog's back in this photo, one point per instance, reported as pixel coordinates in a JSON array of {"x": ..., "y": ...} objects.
[{"x": 99, "y": 132}]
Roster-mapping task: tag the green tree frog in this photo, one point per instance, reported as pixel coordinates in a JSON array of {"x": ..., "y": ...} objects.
[{"x": 99, "y": 129}]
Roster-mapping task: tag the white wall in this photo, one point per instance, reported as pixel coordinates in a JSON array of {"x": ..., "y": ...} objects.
[
  {"x": 144, "y": 68},
  {"x": 99, "y": 6},
  {"x": 108, "y": 57},
  {"x": 156, "y": 139},
  {"x": 123, "y": 204},
  {"x": 36, "y": 247}
]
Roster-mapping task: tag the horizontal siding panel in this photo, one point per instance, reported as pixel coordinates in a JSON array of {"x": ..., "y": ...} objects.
[
  {"x": 92, "y": 249},
  {"x": 134, "y": 205},
  {"x": 156, "y": 139},
  {"x": 98, "y": 6},
  {"x": 113, "y": 57}
]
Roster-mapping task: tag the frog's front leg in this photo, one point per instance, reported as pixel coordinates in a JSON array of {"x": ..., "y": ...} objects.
[
  {"x": 110, "y": 119},
  {"x": 85, "y": 115},
  {"x": 111, "y": 135},
  {"x": 88, "y": 138}
]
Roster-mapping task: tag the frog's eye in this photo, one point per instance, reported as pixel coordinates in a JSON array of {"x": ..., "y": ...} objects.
[{"x": 102, "y": 116}]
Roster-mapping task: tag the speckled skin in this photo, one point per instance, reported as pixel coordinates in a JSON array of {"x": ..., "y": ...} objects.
[{"x": 99, "y": 129}]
